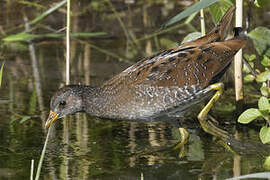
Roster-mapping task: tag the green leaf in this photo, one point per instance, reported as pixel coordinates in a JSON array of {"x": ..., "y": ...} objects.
[
  {"x": 265, "y": 134},
  {"x": 249, "y": 78},
  {"x": 218, "y": 9},
  {"x": 20, "y": 37},
  {"x": 246, "y": 69},
  {"x": 260, "y": 3},
  {"x": 265, "y": 61},
  {"x": 263, "y": 104},
  {"x": 262, "y": 77},
  {"x": 249, "y": 115},
  {"x": 1, "y": 72},
  {"x": 250, "y": 57},
  {"x": 194, "y": 8},
  {"x": 25, "y": 118},
  {"x": 28, "y": 36},
  {"x": 261, "y": 40},
  {"x": 265, "y": 91}
]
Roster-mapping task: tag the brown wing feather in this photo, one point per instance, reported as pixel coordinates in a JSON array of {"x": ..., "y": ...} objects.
[{"x": 194, "y": 63}]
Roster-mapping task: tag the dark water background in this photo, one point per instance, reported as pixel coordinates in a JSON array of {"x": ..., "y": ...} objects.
[{"x": 83, "y": 147}]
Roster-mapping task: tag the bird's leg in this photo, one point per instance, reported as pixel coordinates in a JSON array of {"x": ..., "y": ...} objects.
[{"x": 207, "y": 125}]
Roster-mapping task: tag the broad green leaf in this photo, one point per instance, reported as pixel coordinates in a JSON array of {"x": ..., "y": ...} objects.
[
  {"x": 1, "y": 73},
  {"x": 249, "y": 115},
  {"x": 266, "y": 163},
  {"x": 194, "y": 8},
  {"x": 218, "y": 9},
  {"x": 265, "y": 134},
  {"x": 265, "y": 61},
  {"x": 249, "y": 57},
  {"x": 191, "y": 37},
  {"x": 263, "y": 104},
  {"x": 262, "y": 77},
  {"x": 246, "y": 69},
  {"x": 249, "y": 78},
  {"x": 25, "y": 118},
  {"x": 261, "y": 40}
]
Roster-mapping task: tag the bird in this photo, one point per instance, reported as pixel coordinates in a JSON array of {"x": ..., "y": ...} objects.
[{"x": 163, "y": 85}]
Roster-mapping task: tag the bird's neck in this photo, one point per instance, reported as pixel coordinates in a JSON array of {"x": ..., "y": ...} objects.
[{"x": 93, "y": 100}]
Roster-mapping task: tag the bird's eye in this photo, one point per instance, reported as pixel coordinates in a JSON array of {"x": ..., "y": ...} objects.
[{"x": 62, "y": 103}]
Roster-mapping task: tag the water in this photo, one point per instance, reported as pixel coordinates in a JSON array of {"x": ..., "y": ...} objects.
[{"x": 83, "y": 147}]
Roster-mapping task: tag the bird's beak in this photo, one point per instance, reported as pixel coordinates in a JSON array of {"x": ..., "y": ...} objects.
[{"x": 52, "y": 117}]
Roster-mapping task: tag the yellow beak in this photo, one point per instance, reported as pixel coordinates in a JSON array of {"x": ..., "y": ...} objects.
[{"x": 52, "y": 117}]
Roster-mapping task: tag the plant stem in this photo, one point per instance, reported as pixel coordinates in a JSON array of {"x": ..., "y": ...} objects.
[
  {"x": 42, "y": 155},
  {"x": 202, "y": 23},
  {"x": 68, "y": 44},
  {"x": 1, "y": 72},
  {"x": 238, "y": 56},
  {"x": 32, "y": 170}
]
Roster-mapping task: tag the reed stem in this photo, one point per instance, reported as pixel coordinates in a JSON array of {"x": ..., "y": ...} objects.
[
  {"x": 42, "y": 155},
  {"x": 238, "y": 56},
  {"x": 68, "y": 44},
  {"x": 32, "y": 170},
  {"x": 202, "y": 23}
]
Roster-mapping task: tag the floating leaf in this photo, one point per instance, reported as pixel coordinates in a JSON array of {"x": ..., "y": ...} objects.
[
  {"x": 191, "y": 36},
  {"x": 249, "y": 115},
  {"x": 218, "y": 9},
  {"x": 194, "y": 8},
  {"x": 261, "y": 40},
  {"x": 265, "y": 134},
  {"x": 262, "y": 77},
  {"x": 263, "y": 104},
  {"x": 1, "y": 73}
]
